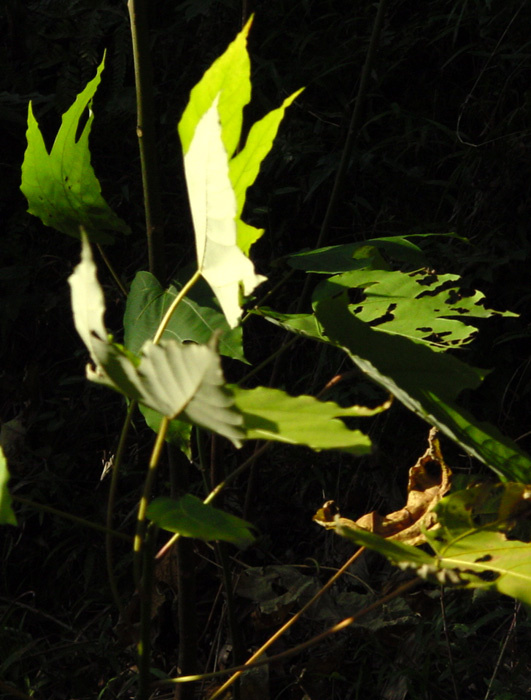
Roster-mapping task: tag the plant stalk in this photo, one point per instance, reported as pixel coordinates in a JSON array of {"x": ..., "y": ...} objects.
[{"x": 145, "y": 131}]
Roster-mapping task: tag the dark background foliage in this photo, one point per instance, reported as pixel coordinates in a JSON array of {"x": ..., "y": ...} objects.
[{"x": 444, "y": 146}]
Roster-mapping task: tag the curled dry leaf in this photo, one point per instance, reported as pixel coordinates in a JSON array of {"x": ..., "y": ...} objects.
[{"x": 429, "y": 481}]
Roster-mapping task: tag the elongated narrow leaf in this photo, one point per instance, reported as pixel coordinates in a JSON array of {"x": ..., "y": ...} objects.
[
  {"x": 7, "y": 517},
  {"x": 421, "y": 305},
  {"x": 213, "y": 203},
  {"x": 190, "y": 517},
  {"x": 428, "y": 383},
  {"x": 245, "y": 166},
  {"x": 271, "y": 414},
  {"x": 60, "y": 186},
  {"x": 194, "y": 322},
  {"x": 171, "y": 378}
]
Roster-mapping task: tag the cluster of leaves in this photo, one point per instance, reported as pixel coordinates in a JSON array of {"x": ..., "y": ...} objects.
[{"x": 393, "y": 324}]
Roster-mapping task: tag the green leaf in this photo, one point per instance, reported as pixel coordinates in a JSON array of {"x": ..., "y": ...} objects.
[
  {"x": 271, "y": 414},
  {"x": 214, "y": 209},
  {"x": 190, "y": 517},
  {"x": 171, "y": 378},
  {"x": 60, "y": 186},
  {"x": 420, "y": 305},
  {"x": 245, "y": 166},
  {"x": 7, "y": 516},
  {"x": 398, "y": 553},
  {"x": 146, "y": 305},
  {"x": 229, "y": 77},
  {"x": 426, "y": 382}
]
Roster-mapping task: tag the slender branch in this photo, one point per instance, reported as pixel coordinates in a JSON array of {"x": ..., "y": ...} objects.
[
  {"x": 148, "y": 484},
  {"x": 257, "y": 654},
  {"x": 339, "y": 627},
  {"x": 72, "y": 518},
  {"x": 145, "y": 131}
]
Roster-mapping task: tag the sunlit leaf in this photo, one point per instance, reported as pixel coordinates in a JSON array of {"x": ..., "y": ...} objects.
[
  {"x": 426, "y": 382},
  {"x": 245, "y": 166},
  {"x": 7, "y": 516},
  {"x": 171, "y": 378},
  {"x": 421, "y": 305},
  {"x": 190, "y": 517},
  {"x": 213, "y": 203},
  {"x": 271, "y": 414},
  {"x": 60, "y": 186},
  {"x": 229, "y": 77}
]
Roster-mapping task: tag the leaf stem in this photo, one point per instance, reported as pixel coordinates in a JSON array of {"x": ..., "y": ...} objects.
[
  {"x": 175, "y": 303},
  {"x": 142, "y": 506}
]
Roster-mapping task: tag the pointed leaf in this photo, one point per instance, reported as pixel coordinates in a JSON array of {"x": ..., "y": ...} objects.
[
  {"x": 244, "y": 167},
  {"x": 229, "y": 78},
  {"x": 190, "y": 517},
  {"x": 426, "y": 382},
  {"x": 213, "y": 205},
  {"x": 60, "y": 186},
  {"x": 194, "y": 322},
  {"x": 7, "y": 516},
  {"x": 271, "y": 414}
]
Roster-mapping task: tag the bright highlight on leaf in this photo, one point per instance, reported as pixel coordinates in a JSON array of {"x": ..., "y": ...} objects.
[
  {"x": 481, "y": 540},
  {"x": 271, "y": 414},
  {"x": 171, "y": 378},
  {"x": 61, "y": 187},
  {"x": 190, "y": 517},
  {"x": 210, "y": 131},
  {"x": 7, "y": 516},
  {"x": 213, "y": 205}
]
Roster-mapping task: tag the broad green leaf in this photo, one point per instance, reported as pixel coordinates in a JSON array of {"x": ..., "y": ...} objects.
[
  {"x": 229, "y": 77},
  {"x": 213, "y": 204},
  {"x": 420, "y": 305},
  {"x": 7, "y": 516},
  {"x": 194, "y": 322},
  {"x": 171, "y": 378},
  {"x": 60, "y": 186},
  {"x": 190, "y": 517},
  {"x": 244, "y": 167},
  {"x": 355, "y": 256},
  {"x": 426, "y": 382},
  {"x": 271, "y": 414}
]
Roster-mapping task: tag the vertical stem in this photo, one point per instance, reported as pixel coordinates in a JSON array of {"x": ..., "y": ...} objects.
[
  {"x": 145, "y": 130},
  {"x": 145, "y": 591}
]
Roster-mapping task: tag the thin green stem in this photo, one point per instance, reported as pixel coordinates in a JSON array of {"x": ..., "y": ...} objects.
[
  {"x": 142, "y": 506},
  {"x": 145, "y": 590},
  {"x": 111, "y": 269},
  {"x": 72, "y": 518},
  {"x": 175, "y": 303},
  {"x": 217, "y": 490},
  {"x": 111, "y": 502},
  {"x": 147, "y": 142}
]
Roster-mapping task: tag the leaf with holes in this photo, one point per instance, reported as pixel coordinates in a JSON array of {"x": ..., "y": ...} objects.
[{"x": 421, "y": 305}]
